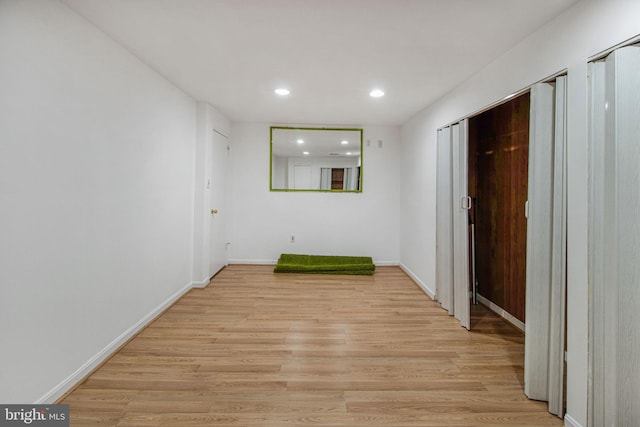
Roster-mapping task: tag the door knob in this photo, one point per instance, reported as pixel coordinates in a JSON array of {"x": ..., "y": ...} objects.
[{"x": 214, "y": 211}]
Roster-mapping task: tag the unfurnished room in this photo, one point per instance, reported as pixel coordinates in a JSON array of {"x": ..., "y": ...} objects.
[{"x": 319, "y": 212}]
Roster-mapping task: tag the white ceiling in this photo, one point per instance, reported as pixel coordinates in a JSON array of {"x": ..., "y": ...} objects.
[{"x": 329, "y": 53}]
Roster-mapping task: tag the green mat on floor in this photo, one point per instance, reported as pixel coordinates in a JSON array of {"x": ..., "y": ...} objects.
[{"x": 324, "y": 264}]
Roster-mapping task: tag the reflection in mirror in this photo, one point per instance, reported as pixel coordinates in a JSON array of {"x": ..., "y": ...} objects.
[{"x": 316, "y": 159}]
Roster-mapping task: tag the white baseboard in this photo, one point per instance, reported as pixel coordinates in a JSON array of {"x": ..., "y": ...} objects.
[
  {"x": 199, "y": 283},
  {"x": 427, "y": 290},
  {"x": 386, "y": 263},
  {"x": 570, "y": 422},
  {"x": 254, "y": 261},
  {"x": 500, "y": 312},
  {"x": 380, "y": 263},
  {"x": 68, "y": 383}
]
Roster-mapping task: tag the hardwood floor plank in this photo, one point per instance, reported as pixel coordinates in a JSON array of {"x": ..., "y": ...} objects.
[{"x": 256, "y": 348}]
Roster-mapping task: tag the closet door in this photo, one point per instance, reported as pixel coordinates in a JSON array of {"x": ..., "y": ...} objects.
[
  {"x": 596, "y": 400},
  {"x": 444, "y": 224},
  {"x": 623, "y": 131},
  {"x": 546, "y": 246},
  {"x": 557, "y": 301},
  {"x": 615, "y": 240},
  {"x": 461, "y": 204},
  {"x": 539, "y": 223}
]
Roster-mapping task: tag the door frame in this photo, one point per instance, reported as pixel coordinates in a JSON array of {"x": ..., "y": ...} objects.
[{"x": 535, "y": 361}]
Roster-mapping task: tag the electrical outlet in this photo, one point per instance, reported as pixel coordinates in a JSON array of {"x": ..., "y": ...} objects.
[{"x": 292, "y": 239}]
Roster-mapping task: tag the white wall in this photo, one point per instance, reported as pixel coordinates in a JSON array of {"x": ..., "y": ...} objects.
[
  {"x": 96, "y": 183},
  {"x": 364, "y": 223},
  {"x": 565, "y": 43}
]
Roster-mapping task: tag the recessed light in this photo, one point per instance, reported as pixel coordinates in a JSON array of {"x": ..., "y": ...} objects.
[
  {"x": 348, "y": 153},
  {"x": 300, "y": 141},
  {"x": 345, "y": 142},
  {"x": 282, "y": 91},
  {"x": 306, "y": 153},
  {"x": 376, "y": 93}
]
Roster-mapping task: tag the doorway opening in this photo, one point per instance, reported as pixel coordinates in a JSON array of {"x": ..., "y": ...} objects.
[
  {"x": 337, "y": 178},
  {"x": 504, "y": 172},
  {"x": 498, "y": 185}
]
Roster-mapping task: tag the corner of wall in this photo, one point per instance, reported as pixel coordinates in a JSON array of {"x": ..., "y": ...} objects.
[{"x": 427, "y": 289}]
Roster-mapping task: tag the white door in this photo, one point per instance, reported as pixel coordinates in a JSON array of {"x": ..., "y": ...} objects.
[
  {"x": 557, "y": 303},
  {"x": 217, "y": 185},
  {"x": 444, "y": 226},
  {"x": 536, "y": 358},
  {"x": 546, "y": 246},
  {"x": 461, "y": 206},
  {"x": 614, "y": 238},
  {"x": 539, "y": 222},
  {"x": 622, "y": 313}
]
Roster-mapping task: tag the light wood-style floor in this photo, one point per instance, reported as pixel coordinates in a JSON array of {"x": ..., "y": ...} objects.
[{"x": 256, "y": 348}]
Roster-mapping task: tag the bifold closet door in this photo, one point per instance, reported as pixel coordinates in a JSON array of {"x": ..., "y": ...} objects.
[
  {"x": 546, "y": 246},
  {"x": 461, "y": 204},
  {"x": 597, "y": 396},
  {"x": 538, "y": 276},
  {"x": 614, "y": 235},
  {"x": 557, "y": 301},
  {"x": 444, "y": 225}
]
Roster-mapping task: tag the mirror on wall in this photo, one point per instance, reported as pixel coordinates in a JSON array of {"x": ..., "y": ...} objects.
[{"x": 316, "y": 159}]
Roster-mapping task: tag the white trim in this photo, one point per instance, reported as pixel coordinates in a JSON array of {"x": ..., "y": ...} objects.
[
  {"x": 382, "y": 263},
  {"x": 521, "y": 91},
  {"x": 603, "y": 54},
  {"x": 72, "y": 380},
  {"x": 570, "y": 422},
  {"x": 427, "y": 290},
  {"x": 199, "y": 283},
  {"x": 501, "y": 312},
  {"x": 223, "y": 133},
  {"x": 387, "y": 263},
  {"x": 254, "y": 261}
]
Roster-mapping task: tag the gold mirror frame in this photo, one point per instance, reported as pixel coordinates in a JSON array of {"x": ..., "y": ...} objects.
[{"x": 327, "y": 165}]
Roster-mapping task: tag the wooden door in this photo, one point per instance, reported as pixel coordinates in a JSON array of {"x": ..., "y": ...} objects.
[
  {"x": 498, "y": 169},
  {"x": 337, "y": 179}
]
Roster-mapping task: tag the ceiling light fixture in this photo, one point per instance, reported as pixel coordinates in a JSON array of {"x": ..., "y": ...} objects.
[
  {"x": 345, "y": 142},
  {"x": 282, "y": 91},
  {"x": 306, "y": 153},
  {"x": 300, "y": 141},
  {"x": 376, "y": 93}
]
